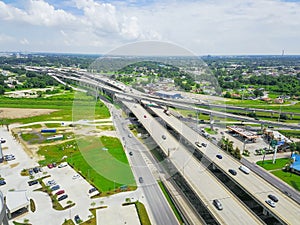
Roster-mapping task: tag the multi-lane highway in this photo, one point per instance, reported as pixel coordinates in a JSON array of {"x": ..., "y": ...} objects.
[
  {"x": 198, "y": 177},
  {"x": 118, "y": 88},
  {"x": 160, "y": 209},
  {"x": 286, "y": 209}
]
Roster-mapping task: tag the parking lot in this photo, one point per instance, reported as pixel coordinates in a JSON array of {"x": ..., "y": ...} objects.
[{"x": 76, "y": 187}]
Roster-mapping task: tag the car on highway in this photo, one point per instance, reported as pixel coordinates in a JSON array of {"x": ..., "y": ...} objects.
[
  {"x": 2, "y": 182},
  {"x": 62, "y": 197},
  {"x": 60, "y": 192},
  {"x": 232, "y": 171},
  {"x": 217, "y": 204},
  {"x": 198, "y": 144},
  {"x": 270, "y": 203},
  {"x": 244, "y": 169},
  {"x": 141, "y": 180},
  {"x": 273, "y": 198},
  {"x": 219, "y": 156},
  {"x": 130, "y": 135},
  {"x": 77, "y": 219},
  {"x": 130, "y": 153},
  {"x": 164, "y": 137}
]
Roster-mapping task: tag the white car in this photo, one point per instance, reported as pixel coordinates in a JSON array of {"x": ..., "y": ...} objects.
[
  {"x": 62, "y": 165},
  {"x": 76, "y": 176},
  {"x": 51, "y": 183},
  {"x": 271, "y": 203}
]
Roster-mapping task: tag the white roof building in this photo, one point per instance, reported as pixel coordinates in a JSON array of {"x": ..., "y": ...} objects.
[{"x": 16, "y": 200}]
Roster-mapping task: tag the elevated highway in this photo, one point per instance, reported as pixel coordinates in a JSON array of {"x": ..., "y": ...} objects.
[
  {"x": 114, "y": 87},
  {"x": 198, "y": 177},
  {"x": 285, "y": 209}
]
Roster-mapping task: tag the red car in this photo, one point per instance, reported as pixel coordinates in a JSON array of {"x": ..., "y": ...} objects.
[
  {"x": 50, "y": 166},
  {"x": 60, "y": 192}
]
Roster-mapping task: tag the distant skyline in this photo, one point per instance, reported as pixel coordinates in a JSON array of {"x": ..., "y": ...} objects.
[{"x": 215, "y": 27}]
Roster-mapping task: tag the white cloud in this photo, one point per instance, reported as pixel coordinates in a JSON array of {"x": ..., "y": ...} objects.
[
  {"x": 205, "y": 27},
  {"x": 24, "y": 41}
]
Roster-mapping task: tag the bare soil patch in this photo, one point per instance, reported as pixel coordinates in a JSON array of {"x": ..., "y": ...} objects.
[{"x": 16, "y": 113}]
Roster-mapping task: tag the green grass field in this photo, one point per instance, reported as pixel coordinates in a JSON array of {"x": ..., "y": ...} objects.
[
  {"x": 66, "y": 106},
  {"x": 268, "y": 164},
  {"x": 276, "y": 169},
  {"x": 102, "y": 161}
]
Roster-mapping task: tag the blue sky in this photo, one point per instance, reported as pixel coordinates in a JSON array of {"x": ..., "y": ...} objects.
[{"x": 201, "y": 26}]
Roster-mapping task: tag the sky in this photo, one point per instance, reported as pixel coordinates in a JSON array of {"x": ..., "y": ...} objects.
[{"x": 214, "y": 27}]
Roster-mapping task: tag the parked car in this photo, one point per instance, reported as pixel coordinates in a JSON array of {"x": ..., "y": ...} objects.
[
  {"x": 219, "y": 156},
  {"x": 130, "y": 135},
  {"x": 2, "y": 182},
  {"x": 62, "y": 197},
  {"x": 50, "y": 166},
  {"x": 270, "y": 203},
  {"x": 130, "y": 153},
  {"x": 36, "y": 169},
  {"x": 76, "y": 176},
  {"x": 60, "y": 192},
  {"x": 2, "y": 140},
  {"x": 217, "y": 204},
  {"x": 232, "y": 171},
  {"x": 9, "y": 157},
  {"x": 50, "y": 182},
  {"x": 203, "y": 144},
  {"x": 164, "y": 137},
  {"x": 77, "y": 219},
  {"x": 30, "y": 171},
  {"x": 54, "y": 188},
  {"x": 32, "y": 182},
  {"x": 273, "y": 198},
  {"x": 64, "y": 164},
  {"x": 93, "y": 189}
]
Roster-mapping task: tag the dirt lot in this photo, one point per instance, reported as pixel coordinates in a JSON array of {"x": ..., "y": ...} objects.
[{"x": 14, "y": 113}]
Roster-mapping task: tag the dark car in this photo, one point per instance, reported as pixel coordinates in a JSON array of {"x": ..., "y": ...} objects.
[
  {"x": 77, "y": 219},
  {"x": 218, "y": 204},
  {"x": 50, "y": 166},
  {"x": 219, "y": 156},
  {"x": 232, "y": 171},
  {"x": 2, "y": 140},
  {"x": 54, "y": 188},
  {"x": 60, "y": 192},
  {"x": 2, "y": 182},
  {"x": 62, "y": 197},
  {"x": 203, "y": 144},
  {"x": 141, "y": 180},
  {"x": 130, "y": 153},
  {"x": 92, "y": 190},
  {"x": 36, "y": 169},
  {"x": 32, "y": 182},
  {"x": 273, "y": 198}
]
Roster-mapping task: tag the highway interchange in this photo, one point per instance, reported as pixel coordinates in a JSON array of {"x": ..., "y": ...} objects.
[{"x": 286, "y": 210}]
